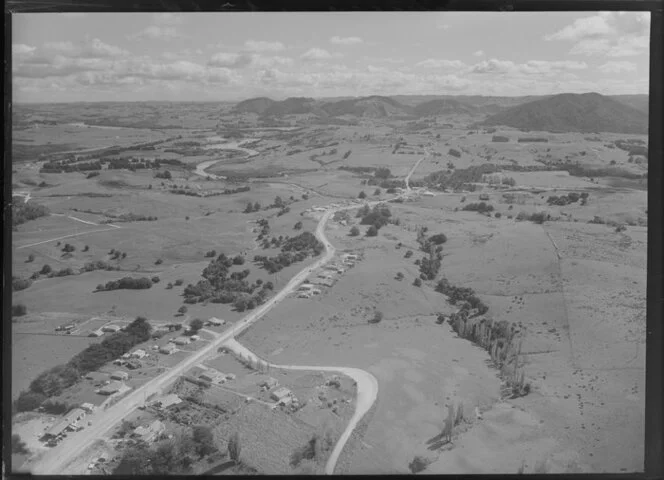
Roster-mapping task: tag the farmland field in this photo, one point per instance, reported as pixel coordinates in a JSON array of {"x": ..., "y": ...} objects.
[{"x": 435, "y": 292}]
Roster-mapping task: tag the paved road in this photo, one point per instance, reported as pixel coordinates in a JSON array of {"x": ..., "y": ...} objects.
[
  {"x": 367, "y": 392},
  {"x": 56, "y": 460}
]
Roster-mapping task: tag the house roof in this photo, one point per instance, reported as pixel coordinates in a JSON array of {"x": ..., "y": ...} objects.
[
  {"x": 58, "y": 428},
  {"x": 74, "y": 415},
  {"x": 111, "y": 387}
]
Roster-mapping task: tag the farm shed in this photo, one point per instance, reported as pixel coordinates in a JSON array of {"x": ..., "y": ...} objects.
[
  {"x": 88, "y": 407},
  {"x": 110, "y": 328},
  {"x": 95, "y": 333},
  {"x": 182, "y": 341},
  {"x": 140, "y": 353},
  {"x": 216, "y": 321}
]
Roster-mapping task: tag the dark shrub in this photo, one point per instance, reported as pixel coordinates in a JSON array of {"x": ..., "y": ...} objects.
[
  {"x": 19, "y": 310},
  {"x": 20, "y": 284}
]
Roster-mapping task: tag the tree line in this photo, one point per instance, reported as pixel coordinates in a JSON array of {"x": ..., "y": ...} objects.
[{"x": 53, "y": 382}]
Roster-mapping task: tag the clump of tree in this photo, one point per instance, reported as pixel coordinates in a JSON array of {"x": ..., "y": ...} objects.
[
  {"x": 20, "y": 284},
  {"x": 31, "y": 258},
  {"x": 378, "y": 217},
  {"x": 454, "y": 152},
  {"x": 500, "y": 138},
  {"x": 377, "y": 317},
  {"x": 418, "y": 464},
  {"x": 563, "y": 200},
  {"x": 362, "y": 195},
  {"x": 481, "y": 207},
  {"x": 126, "y": 283},
  {"x": 23, "y": 212},
  {"x": 293, "y": 250},
  {"x": 417, "y": 282},
  {"x": 166, "y": 175},
  {"x": 354, "y": 231},
  {"x": 19, "y": 310},
  {"x": 211, "y": 254},
  {"x": 255, "y": 207},
  {"x": 18, "y": 445},
  {"x": 461, "y": 295},
  {"x": 297, "y": 226}
]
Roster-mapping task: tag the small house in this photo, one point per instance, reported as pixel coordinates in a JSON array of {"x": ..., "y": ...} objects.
[
  {"x": 95, "y": 333},
  {"x": 119, "y": 375},
  {"x": 212, "y": 377},
  {"x": 181, "y": 341},
  {"x": 110, "y": 328},
  {"x": 74, "y": 416},
  {"x": 134, "y": 364},
  {"x": 110, "y": 389},
  {"x": 216, "y": 321},
  {"x": 195, "y": 337},
  {"x": 140, "y": 353},
  {"x": 167, "y": 349},
  {"x": 168, "y": 400},
  {"x": 150, "y": 432},
  {"x": 230, "y": 376},
  {"x": 57, "y": 430},
  {"x": 88, "y": 407},
  {"x": 280, "y": 393}
]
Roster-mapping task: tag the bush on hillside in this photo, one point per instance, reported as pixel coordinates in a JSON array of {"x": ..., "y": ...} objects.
[
  {"x": 20, "y": 284},
  {"x": 23, "y": 212},
  {"x": 19, "y": 310},
  {"x": 127, "y": 283}
]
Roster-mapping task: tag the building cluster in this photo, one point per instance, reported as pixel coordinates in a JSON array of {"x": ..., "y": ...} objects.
[
  {"x": 210, "y": 375},
  {"x": 326, "y": 277},
  {"x": 282, "y": 396},
  {"x": 69, "y": 423}
]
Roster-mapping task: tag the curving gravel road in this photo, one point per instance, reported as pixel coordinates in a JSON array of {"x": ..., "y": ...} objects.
[{"x": 367, "y": 392}]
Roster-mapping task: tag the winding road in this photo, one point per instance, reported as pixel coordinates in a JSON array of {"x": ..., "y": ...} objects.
[{"x": 62, "y": 458}]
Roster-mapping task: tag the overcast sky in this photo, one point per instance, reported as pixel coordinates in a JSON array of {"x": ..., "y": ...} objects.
[{"x": 224, "y": 56}]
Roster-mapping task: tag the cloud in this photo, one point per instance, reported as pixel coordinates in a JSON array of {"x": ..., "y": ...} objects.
[
  {"x": 612, "y": 34},
  {"x": 22, "y": 49},
  {"x": 587, "y": 27},
  {"x": 493, "y": 66},
  {"x": 479, "y": 53},
  {"x": 346, "y": 40},
  {"x": 617, "y": 67},
  {"x": 314, "y": 54},
  {"x": 440, "y": 63},
  {"x": 532, "y": 67},
  {"x": 156, "y": 32},
  {"x": 94, "y": 48},
  {"x": 266, "y": 62},
  {"x": 230, "y": 60},
  {"x": 263, "y": 46}
]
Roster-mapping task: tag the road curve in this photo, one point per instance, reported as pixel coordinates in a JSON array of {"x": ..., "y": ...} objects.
[
  {"x": 367, "y": 392},
  {"x": 56, "y": 459}
]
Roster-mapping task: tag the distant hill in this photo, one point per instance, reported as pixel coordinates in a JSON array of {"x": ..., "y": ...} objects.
[
  {"x": 254, "y": 105},
  {"x": 640, "y": 102},
  {"x": 292, "y": 106},
  {"x": 570, "y": 112},
  {"x": 372, "y": 107},
  {"x": 444, "y": 106}
]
